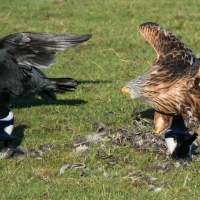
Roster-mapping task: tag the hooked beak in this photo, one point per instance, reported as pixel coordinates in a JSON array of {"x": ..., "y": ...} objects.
[{"x": 124, "y": 90}]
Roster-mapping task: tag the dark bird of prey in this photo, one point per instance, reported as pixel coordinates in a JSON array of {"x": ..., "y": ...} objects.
[
  {"x": 171, "y": 86},
  {"x": 20, "y": 51},
  {"x": 6, "y": 119},
  {"x": 179, "y": 143}
]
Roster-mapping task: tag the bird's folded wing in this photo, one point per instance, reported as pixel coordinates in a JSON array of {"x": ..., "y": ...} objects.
[
  {"x": 11, "y": 75},
  {"x": 38, "y": 49}
]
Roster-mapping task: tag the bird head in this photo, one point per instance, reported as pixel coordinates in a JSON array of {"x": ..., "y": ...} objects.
[
  {"x": 134, "y": 87},
  {"x": 133, "y": 93}
]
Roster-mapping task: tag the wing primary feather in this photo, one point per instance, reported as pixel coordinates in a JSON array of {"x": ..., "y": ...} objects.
[
  {"x": 161, "y": 40},
  {"x": 38, "y": 49}
]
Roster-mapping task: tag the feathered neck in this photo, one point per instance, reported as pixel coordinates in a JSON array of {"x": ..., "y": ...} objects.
[{"x": 135, "y": 86}]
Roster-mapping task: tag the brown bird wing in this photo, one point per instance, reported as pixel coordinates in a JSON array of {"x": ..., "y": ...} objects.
[
  {"x": 161, "y": 40},
  {"x": 171, "y": 84},
  {"x": 174, "y": 60}
]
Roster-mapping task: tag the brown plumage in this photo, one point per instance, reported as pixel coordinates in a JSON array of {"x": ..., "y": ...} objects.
[{"x": 172, "y": 86}]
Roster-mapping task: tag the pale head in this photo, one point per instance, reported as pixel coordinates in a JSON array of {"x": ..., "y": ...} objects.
[{"x": 134, "y": 87}]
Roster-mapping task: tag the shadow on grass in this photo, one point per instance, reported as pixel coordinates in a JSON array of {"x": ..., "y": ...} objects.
[
  {"x": 31, "y": 100},
  {"x": 49, "y": 97},
  {"x": 18, "y": 132},
  {"x": 149, "y": 113}
]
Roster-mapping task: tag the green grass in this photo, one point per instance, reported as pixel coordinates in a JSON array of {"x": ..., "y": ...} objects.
[{"x": 114, "y": 55}]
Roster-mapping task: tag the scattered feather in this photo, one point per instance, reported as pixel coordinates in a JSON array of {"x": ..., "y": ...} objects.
[
  {"x": 102, "y": 128},
  {"x": 109, "y": 113},
  {"x": 111, "y": 163},
  {"x": 46, "y": 147},
  {"x": 103, "y": 154},
  {"x": 83, "y": 174},
  {"x": 93, "y": 138},
  {"x": 25, "y": 152},
  {"x": 157, "y": 189},
  {"x": 71, "y": 166},
  {"x": 140, "y": 123},
  {"x": 168, "y": 184},
  {"x": 106, "y": 175},
  {"x": 78, "y": 165},
  {"x": 63, "y": 168},
  {"x": 150, "y": 181},
  {"x": 6, "y": 153},
  {"x": 81, "y": 148}
]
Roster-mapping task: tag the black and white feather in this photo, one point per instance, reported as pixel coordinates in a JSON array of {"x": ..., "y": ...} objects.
[
  {"x": 179, "y": 143},
  {"x": 6, "y": 119}
]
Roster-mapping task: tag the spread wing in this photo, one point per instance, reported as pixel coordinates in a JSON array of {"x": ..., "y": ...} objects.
[
  {"x": 161, "y": 40},
  {"x": 38, "y": 49},
  {"x": 174, "y": 60}
]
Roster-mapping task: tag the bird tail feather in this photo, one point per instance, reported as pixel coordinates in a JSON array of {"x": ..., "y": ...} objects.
[
  {"x": 184, "y": 148},
  {"x": 38, "y": 81}
]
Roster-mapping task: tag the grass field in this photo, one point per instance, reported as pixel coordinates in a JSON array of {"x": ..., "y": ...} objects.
[{"x": 114, "y": 55}]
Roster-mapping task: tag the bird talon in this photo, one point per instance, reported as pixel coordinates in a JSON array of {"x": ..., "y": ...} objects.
[{"x": 157, "y": 131}]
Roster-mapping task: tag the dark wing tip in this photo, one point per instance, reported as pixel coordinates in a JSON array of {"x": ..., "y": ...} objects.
[
  {"x": 148, "y": 23},
  {"x": 87, "y": 36},
  {"x": 150, "y": 28},
  {"x": 82, "y": 38},
  {"x": 75, "y": 39}
]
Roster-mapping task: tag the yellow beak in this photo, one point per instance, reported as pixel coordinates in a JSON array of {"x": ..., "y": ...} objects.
[{"x": 124, "y": 90}]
